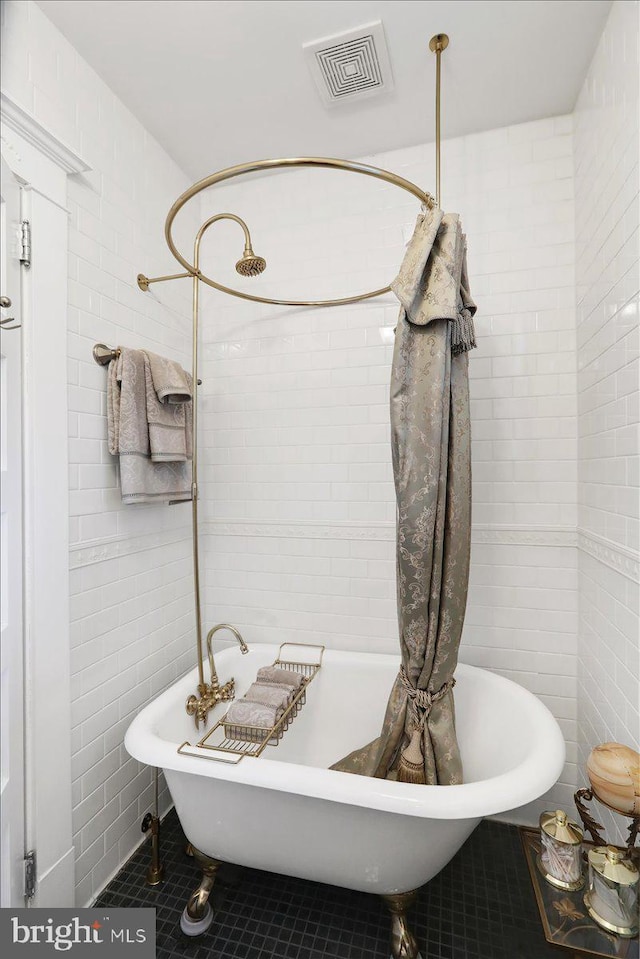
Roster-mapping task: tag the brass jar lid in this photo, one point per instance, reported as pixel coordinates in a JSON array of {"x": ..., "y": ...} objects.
[
  {"x": 557, "y": 826},
  {"x": 610, "y": 862}
]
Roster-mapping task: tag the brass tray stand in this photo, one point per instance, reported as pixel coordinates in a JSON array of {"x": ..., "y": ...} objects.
[
  {"x": 218, "y": 746},
  {"x": 565, "y": 920}
]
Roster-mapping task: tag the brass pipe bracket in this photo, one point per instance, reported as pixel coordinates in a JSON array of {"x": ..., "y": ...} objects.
[{"x": 403, "y": 942}]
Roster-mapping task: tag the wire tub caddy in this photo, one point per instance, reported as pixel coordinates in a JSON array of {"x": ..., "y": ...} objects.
[{"x": 230, "y": 744}]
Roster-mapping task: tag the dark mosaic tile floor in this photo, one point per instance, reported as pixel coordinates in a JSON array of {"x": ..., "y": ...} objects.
[{"x": 481, "y": 906}]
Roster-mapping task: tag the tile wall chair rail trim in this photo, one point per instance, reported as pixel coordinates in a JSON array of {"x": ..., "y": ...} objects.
[
  {"x": 617, "y": 557},
  {"x": 382, "y": 532},
  {"x": 385, "y": 532},
  {"x": 102, "y": 549},
  {"x": 112, "y": 547},
  {"x": 534, "y": 535},
  {"x": 620, "y": 558}
]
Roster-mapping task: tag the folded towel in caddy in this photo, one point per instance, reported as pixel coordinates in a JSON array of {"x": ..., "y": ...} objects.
[
  {"x": 245, "y": 713},
  {"x": 271, "y": 694},
  {"x": 274, "y": 674}
]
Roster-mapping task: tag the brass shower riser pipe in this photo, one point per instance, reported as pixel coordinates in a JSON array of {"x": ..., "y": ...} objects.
[{"x": 215, "y": 684}]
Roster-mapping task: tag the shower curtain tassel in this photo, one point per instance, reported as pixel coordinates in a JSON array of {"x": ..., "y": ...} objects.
[
  {"x": 411, "y": 765},
  {"x": 463, "y": 336}
]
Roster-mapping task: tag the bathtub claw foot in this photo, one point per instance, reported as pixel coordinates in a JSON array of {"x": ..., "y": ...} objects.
[
  {"x": 403, "y": 943},
  {"x": 197, "y": 915},
  {"x": 196, "y": 927}
]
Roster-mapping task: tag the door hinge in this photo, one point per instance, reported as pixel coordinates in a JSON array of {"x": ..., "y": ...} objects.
[
  {"x": 25, "y": 244},
  {"x": 30, "y": 875}
]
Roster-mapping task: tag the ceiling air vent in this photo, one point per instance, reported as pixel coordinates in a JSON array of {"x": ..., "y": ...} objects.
[{"x": 350, "y": 65}]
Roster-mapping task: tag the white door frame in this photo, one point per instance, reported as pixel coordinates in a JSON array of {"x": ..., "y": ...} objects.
[
  {"x": 43, "y": 163},
  {"x": 12, "y": 821}
]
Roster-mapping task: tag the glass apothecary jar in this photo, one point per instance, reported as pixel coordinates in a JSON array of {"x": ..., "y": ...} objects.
[
  {"x": 560, "y": 860},
  {"x": 612, "y": 896}
]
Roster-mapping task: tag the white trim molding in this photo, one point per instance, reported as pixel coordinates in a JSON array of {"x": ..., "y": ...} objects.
[
  {"x": 625, "y": 561},
  {"x": 16, "y": 118},
  {"x": 107, "y": 548},
  {"x": 113, "y": 547},
  {"x": 563, "y": 536},
  {"x": 381, "y": 532},
  {"x": 43, "y": 163}
]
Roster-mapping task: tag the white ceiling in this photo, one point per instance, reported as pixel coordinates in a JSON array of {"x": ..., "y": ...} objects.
[{"x": 219, "y": 82}]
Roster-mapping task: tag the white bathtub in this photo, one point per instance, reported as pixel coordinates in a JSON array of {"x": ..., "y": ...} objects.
[{"x": 288, "y": 813}]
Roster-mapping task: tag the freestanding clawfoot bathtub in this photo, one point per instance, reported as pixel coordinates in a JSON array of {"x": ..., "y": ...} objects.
[{"x": 287, "y": 812}]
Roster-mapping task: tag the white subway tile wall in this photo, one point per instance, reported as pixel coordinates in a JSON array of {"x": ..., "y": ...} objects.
[
  {"x": 131, "y": 605},
  {"x": 297, "y": 491},
  {"x": 297, "y": 486},
  {"x": 607, "y": 255}
]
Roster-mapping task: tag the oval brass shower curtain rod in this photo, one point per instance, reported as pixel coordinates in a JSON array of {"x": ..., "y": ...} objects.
[
  {"x": 251, "y": 265},
  {"x": 262, "y": 165},
  {"x": 437, "y": 44}
]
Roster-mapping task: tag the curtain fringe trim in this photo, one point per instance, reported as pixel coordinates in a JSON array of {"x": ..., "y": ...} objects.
[{"x": 463, "y": 335}]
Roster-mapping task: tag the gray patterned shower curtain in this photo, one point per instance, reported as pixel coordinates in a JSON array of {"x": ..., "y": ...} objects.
[{"x": 431, "y": 450}]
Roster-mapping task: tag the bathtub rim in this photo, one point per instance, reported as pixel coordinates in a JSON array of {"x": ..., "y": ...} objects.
[{"x": 525, "y": 782}]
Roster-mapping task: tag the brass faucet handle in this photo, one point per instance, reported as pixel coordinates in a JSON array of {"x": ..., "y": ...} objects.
[
  {"x": 191, "y": 705},
  {"x": 228, "y": 691},
  {"x": 197, "y": 708},
  {"x": 209, "y": 696}
]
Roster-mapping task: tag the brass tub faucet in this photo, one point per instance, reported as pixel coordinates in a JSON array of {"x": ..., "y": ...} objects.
[
  {"x": 212, "y": 693},
  {"x": 236, "y": 632}
]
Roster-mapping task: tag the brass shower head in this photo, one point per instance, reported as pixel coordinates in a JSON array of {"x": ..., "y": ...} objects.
[{"x": 250, "y": 264}]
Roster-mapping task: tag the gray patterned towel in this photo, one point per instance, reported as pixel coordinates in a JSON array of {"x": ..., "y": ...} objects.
[
  {"x": 141, "y": 480},
  {"x": 169, "y": 423},
  {"x": 171, "y": 383},
  {"x": 274, "y": 674},
  {"x": 245, "y": 713},
  {"x": 271, "y": 694}
]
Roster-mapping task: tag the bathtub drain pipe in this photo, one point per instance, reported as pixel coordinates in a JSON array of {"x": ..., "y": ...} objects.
[{"x": 155, "y": 872}]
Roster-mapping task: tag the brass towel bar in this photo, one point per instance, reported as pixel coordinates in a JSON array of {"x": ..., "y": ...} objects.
[{"x": 104, "y": 354}]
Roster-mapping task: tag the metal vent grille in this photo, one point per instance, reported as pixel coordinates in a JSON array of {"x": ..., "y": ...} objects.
[{"x": 350, "y": 65}]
